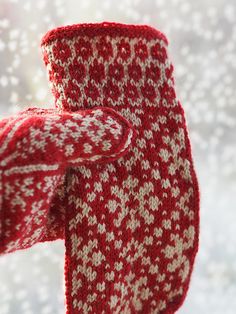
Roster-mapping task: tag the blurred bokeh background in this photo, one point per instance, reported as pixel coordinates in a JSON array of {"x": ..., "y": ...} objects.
[{"x": 202, "y": 46}]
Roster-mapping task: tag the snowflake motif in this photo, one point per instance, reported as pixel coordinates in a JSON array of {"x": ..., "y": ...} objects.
[{"x": 135, "y": 206}]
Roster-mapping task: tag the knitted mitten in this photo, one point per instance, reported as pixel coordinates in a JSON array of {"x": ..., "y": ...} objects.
[
  {"x": 132, "y": 225},
  {"x": 36, "y": 146}
]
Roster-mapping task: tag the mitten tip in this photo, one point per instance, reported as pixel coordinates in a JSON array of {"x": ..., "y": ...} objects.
[{"x": 103, "y": 28}]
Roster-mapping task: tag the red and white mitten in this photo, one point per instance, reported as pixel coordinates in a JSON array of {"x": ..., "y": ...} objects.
[
  {"x": 36, "y": 148},
  {"x": 131, "y": 225}
]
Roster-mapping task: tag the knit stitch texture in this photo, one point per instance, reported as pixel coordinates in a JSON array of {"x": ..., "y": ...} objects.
[{"x": 110, "y": 171}]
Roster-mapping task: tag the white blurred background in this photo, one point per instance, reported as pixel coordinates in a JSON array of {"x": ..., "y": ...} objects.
[{"x": 202, "y": 36}]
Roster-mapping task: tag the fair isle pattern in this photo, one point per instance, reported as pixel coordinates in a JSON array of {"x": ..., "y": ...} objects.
[
  {"x": 36, "y": 146},
  {"x": 131, "y": 225},
  {"x": 96, "y": 79}
]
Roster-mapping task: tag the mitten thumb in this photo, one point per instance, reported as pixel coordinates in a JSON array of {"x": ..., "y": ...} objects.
[{"x": 48, "y": 136}]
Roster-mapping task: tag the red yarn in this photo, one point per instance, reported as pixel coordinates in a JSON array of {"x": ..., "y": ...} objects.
[
  {"x": 116, "y": 178},
  {"x": 110, "y": 29},
  {"x": 36, "y": 147}
]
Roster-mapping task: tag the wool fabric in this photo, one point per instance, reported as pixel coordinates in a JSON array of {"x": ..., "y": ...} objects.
[
  {"x": 109, "y": 170},
  {"x": 36, "y": 147}
]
